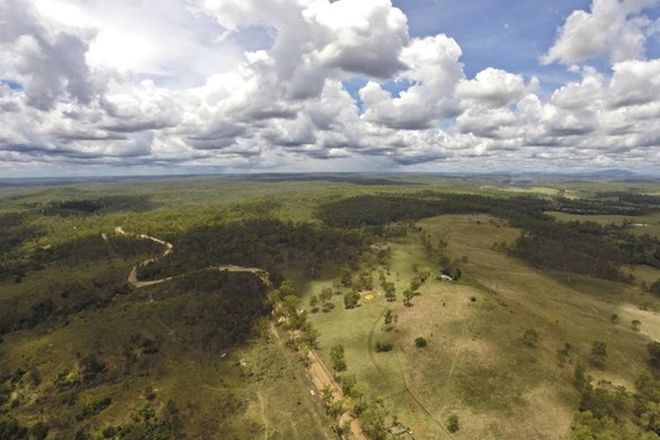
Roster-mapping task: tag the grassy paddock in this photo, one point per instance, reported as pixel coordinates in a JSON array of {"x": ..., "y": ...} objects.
[{"x": 476, "y": 364}]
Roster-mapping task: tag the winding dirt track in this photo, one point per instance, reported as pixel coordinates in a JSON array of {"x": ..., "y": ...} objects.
[
  {"x": 319, "y": 373},
  {"x": 169, "y": 248}
]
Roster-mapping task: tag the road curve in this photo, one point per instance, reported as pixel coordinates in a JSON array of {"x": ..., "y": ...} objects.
[
  {"x": 318, "y": 371},
  {"x": 169, "y": 249}
]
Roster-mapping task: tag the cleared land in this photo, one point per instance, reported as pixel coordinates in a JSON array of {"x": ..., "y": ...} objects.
[{"x": 476, "y": 364}]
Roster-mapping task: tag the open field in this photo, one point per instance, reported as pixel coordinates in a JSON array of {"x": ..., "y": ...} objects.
[
  {"x": 640, "y": 225},
  {"x": 476, "y": 365}
]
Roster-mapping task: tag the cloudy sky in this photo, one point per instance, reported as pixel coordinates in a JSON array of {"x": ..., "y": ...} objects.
[{"x": 92, "y": 87}]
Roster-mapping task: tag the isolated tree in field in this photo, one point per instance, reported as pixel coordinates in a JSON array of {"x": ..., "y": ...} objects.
[
  {"x": 636, "y": 324},
  {"x": 564, "y": 354},
  {"x": 598, "y": 353},
  {"x": 314, "y": 303},
  {"x": 325, "y": 295},
  {"x": 390, "y": 291},
  {"x": 531, "y": 338},
  {"x": 383, "y": 346},
  {"x": 615, "y": 318},
  {"x": 452, "y": 423},
  {"x": 407, "y": 297},
  {"x": 388, "y": 317},
  {"x": 351, "y": 300},
  {"x": 337, "y": 358},
  {"x": 654, "y": 353},
  {"x": 420, "y": 342}
]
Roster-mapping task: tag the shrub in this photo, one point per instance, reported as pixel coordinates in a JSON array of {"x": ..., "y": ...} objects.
[
  {"x": 598, "y": 353},
  {"x": 580, "y": 378},
  {"x": 351, "y": 300},
  {"x": 452, "y": 423},
  {"x": 314, "y": 303},
  {"x": 564, "y": 354},
  {"x": 420, "y": 342},
  {"x": 531, "y": 338},
  {"x": 337, "y": 358},
  {"x": 94, "y": 408},
  {"x": 383, "y": 346}
]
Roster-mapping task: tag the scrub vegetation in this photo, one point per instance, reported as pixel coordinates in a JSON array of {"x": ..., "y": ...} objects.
[{"x": 312, "y": 306}]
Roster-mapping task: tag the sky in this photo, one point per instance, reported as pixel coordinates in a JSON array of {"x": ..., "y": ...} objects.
[{"x": 128, "y": 87}]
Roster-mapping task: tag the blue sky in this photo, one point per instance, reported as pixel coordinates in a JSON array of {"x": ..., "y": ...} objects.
[{"x": 509, "y": 35}]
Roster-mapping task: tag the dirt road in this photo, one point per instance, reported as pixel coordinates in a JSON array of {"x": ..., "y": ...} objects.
[
  {"x": 169, "y": 248},
  {"x": 322, "y": 378},
  {"x": 320, "y": 375}
]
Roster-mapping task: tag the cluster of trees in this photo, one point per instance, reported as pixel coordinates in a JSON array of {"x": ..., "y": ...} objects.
[
  {"x": 289, "y": 306},
  {"x": 89, "y": 248},
  {"x": 10, "y": 429},
  {"x": 579, "y": 247},
  {"x": 607, "y": 411},
  {"x": 388, "y": 287},
  {"x": 379, "y": 210},
  {"x": 96, "y": 271},
  {"x": 224, "y": 306},
  {"x": 145, "y": 424},
  {"x": 415, "y": 284},
  {"x": 58, "y": 300},
  {"x": 265, "y": 243},
  {"x": 14, "y": 231},
  {"x": 324, "y": 299},
  {"x": 623, "y": 206},
  {"x": 584, "y": 247},
  {"x": 372, "y": 413},
  {"x": 642, "y": 201},
  {"x": 100, "y": 205}
]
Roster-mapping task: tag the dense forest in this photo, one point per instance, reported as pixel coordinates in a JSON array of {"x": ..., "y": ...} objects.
[
  {"x": 267, "y": 243},
  {"x": 100, "y": 205}
]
